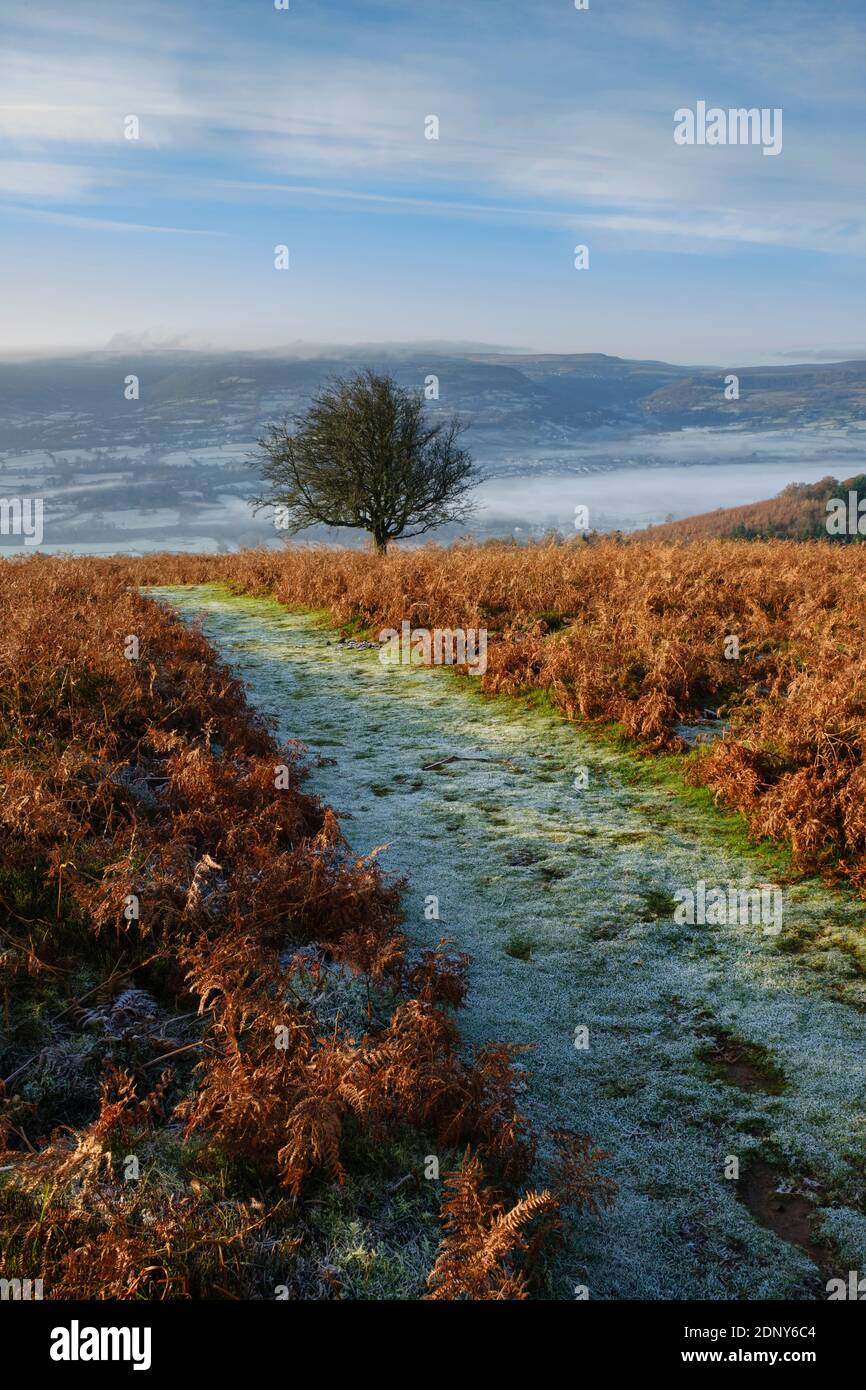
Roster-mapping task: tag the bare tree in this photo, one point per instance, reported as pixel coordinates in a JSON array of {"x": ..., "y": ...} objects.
[{"x": 364, "y": 455}]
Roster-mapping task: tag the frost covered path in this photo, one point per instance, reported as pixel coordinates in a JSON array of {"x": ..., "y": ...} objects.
[{"x": 563, "y": 899}]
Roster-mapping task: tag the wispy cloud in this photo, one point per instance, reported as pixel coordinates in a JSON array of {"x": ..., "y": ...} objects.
[
  {"x": 107, "y": 224},
  {"x": 46, "y": 180},
  {"x": 550, "y": 120},
  {"x": 320, "y": 112}
]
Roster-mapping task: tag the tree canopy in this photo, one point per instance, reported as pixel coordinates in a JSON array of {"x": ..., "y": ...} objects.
[{"x": 366, "y": 455}]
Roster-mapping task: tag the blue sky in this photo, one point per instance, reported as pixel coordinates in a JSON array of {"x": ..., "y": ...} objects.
[{"x": 306, "y": 127}]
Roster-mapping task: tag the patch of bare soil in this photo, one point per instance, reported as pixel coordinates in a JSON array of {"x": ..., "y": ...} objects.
[
  {"x": 776, "y": 1204},
  {"x": 746, "y": 1065}
]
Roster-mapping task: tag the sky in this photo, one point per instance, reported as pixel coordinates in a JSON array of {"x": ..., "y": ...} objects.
[{"x": 305, "y": 127}]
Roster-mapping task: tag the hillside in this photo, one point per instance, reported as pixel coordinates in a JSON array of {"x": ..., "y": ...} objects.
[
  {"x": 77, "y": 401},
  {"x": 799, "y": 513}
]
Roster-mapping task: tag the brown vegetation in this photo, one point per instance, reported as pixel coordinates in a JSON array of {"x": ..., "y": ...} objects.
[
  {"x": 175, "y": 1086},
  {"x": 635, "y": 632},
  {"x": 799, "y": 513}
]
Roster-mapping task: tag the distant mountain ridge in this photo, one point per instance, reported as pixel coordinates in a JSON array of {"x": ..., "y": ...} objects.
[
  {"x": 533, "y": 398},
  {"x": 133, "y": 448}
]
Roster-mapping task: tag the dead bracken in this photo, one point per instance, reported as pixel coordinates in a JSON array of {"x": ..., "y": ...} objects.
[{"x": 171, "y": 1100}]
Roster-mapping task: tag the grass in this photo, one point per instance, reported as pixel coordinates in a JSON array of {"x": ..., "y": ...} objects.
[
  {"x": 632, "y": 635},
  {"x": 200, "y": 980},
  {"x": 624, "y": 639},
  {"x": 594, "y": 958}
]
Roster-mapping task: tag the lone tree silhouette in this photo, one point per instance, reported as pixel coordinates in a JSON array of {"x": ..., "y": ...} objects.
[{"x": 364, "y": 455}]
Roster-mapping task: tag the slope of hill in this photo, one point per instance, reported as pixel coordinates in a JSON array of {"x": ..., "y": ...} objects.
[
  {"x": 800, "y": 512},
  {"x": 76, "y": 401},
  {"x": 769, "y": 397}
]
